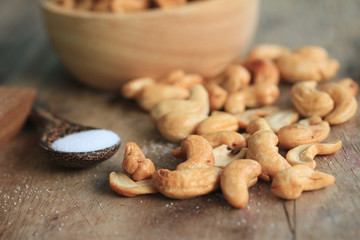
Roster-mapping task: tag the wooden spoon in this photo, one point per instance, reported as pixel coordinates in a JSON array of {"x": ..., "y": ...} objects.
[{"x": 56, "y": 128}]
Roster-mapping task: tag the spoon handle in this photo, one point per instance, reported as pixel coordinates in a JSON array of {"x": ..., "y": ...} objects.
[{"x": 42, "y": 114}]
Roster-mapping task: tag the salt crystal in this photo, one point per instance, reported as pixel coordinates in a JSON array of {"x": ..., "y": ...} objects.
[{"x": 86, "y": 141}]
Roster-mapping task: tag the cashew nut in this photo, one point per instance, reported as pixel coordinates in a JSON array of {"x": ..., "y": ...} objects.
[
  {"x": 351, "y": 85},
  {"x": 136, "y": 164},
  {"x": 304, "y": 154},
  {"x": 256, "y": 125},
  {"x": 224, "y": 155},
  {"x": 198, "y": 102},
  {"x": 133, "y": 88},
  {"x": 217, "y": 95},
  {"x": 124, "y": 186},
  {"x": 307, "y": 63},
  {"x": 282, "y": 118},
  {"x": 308, "y": 101},
  {"x": 268, "y": 51},
  {"x": 236, "y": 77},
  {"x": 235, "y": 102},
  {"x": 235, "y": 180},
  {"x": 261, "y": 94},
  {"x": 221, "y": 121},
  {"x": 155, "y": 93},
  {"x": 232, "y": 140},
  {"x": 180, "y": 79},
  {"x": 345, "y": 103},
  {"x": 246, "y": 117},
  {"x": 262, "y": 148},
  {"x": 198, "y": 151},
  {"x": 309, "y": 130},
  {"x": 291, "y": 182},
  {"x": 177, "y": 126},
  {"x": 187, "y": 183},
  {"x": 263, "y": 71}
]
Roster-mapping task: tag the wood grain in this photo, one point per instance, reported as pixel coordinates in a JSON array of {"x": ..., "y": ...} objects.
[{"x": 39, "y": 200}]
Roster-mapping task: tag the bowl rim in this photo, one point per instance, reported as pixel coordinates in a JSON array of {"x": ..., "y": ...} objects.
[{"x": 187, "y": 8}]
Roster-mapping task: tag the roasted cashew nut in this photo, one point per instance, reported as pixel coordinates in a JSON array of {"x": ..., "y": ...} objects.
[
  {"x": 345, "y": 103},
  {"x": 263, "y": 71},
  {"x": 152, "y": 94},
  {"x": 198, "y": 151},
  {"x": 236, "y": 77},
  {"x": 235, "y": 102},
  {"x": 220, "y": 121},
  {"x": 308, "y": 101},
  {"x": 304, "y": 154},
  {"x": 246, "y": 117},
  {"x": 188, "y": 183},
  {"x": 310, "y": 130},
  {"x": 261, "y": 94},
  {"x": 262, "y": 148},
  {"x": 198, "y": 102},
  {"x": 351, "y": 85},
  {"x": 124, "y": 186},
  {"x": 256, "y": 125},
  {"x": 217, "y": 95},
  {"x": 307, "y": 64},
  {"x": 177, "y": 126},
  {"x": 180, "y": 79},
  {"x": 136, "y": 164},
  {"x": 291, "y": 182},
  {"x": 268, "y": 51},
  {"x": 281, "y": 119},
  {"x": 224, "y": 155},
  {"x": 133, "y": 88},
  {"x": 236, "y": 178}
]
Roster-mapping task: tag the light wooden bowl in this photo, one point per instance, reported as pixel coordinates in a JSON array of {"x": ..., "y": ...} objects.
[{"x": 104, "y": 49}]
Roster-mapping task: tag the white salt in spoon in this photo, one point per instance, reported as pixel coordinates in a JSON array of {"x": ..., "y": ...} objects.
[{"x": 73, "y": 145}]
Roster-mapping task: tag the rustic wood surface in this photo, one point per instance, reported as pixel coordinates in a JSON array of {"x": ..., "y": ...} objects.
[{"x": 39, "y": 200}]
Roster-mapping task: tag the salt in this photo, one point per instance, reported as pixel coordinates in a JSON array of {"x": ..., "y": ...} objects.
[{"x": 86, "y": 141}]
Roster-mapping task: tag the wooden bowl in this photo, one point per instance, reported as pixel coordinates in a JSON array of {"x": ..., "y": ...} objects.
[{"x": 105, "y": 49}]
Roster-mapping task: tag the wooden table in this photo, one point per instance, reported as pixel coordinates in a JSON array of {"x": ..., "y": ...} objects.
[{"x": 39, "y": 200}]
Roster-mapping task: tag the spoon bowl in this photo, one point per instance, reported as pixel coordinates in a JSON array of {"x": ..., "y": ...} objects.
[{"x": 56, "y": 128}]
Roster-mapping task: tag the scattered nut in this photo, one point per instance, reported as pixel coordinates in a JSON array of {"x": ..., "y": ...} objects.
[
  {"x": 177, "y": 126},
  {"x": 246, "y": 117},
  {"x": 133, "y": 88},
  {"x": 268, "y": 51},
  {"x": 236, "y": 178},
  {"x": 180, "y": 79},
  {"x": 307, "y": 63},
  {"x": 261, "y": 94},
  {"x": 217, "y": 95},
  {"x": 136, "y": 164},
  {"x": 198, "y": 151},
  {"x": 291, "y": 182},
  {"x": 188, "y": 183},
  {"x": 351, "y": 85},
  {"x": 281, "y": 119},
  {"x": 218, "y": 122},
  {"x": 345, "y": 103},
  {"x": 235, "y": 103},
  {"x": 310, "y": 130},
  {"x": 308, "y": 101},
  {"x": 304, "y": 154},
  {"x": 198, "y": 102},
  {"x": 124, "y": 186},
  {"x": 154, "y": 93},
  {"x": 262, "y": 148},
  {"x": 263, "y": 71},
  {"x": 256, "y": 125},
  {"x": 224, "y": 155},
  {"x": 236, "y": 77}
]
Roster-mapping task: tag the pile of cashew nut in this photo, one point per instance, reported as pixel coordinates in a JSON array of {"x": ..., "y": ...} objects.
[{"x": 230, "y": 132}]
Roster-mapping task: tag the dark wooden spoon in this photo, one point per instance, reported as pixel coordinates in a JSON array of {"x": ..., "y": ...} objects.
[{"x": 56, "y": 128}]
